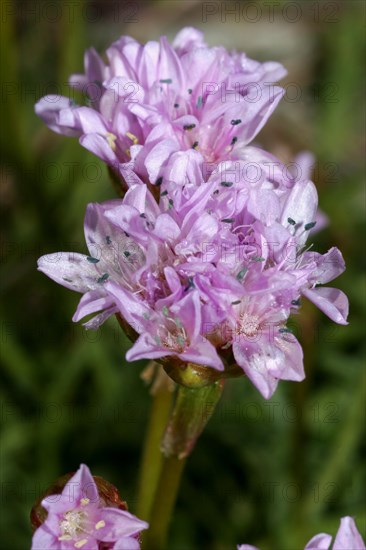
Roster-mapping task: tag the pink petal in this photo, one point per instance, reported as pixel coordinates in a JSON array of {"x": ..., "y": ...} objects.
[
  {"x": 166, "y": 228},
  {"x": 146, "y": 347},
  {"x": 330, "y": 266},
  {"x": 203, "y": 353},
  {"x": 256, "y": 366},
  {"x": 70, "y": 269},
  {"x": 331, "y": 301},
  {"x": 301, "y": 206},
  {"x": 187, "y": 39},
  {"x": 188, "y": 310},
  {"x": 119, "y": 524},
  {"x": 319, "y": 542},
  {"x": 348, "y": 536},
  {"x": 131, "y": 308},
  {"x": 49, "y": 108},
  {"x": 99, "y": 145},
  {"x": 292, "y": 367},
  {"x": 170, "y": 66},
  {"x": 128, "y": 543},
  {"x": 43, "y": 539},
  {"x": 91, "y": 302},
  {"x": 136, "y": 197},
  {"x": 81, "y": 485}
]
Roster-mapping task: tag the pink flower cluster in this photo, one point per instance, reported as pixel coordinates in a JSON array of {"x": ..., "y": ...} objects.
[
  {"x": 347, "y": 538},
  {"x": 205, "y": 257},
  {"x": 79, "y": 518}
]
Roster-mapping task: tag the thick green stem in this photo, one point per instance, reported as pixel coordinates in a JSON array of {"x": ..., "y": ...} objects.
[
  {"x": 166, "y": 495},
  {"x": 192, "y": 410},
  {"x": 152, "y": 458}
]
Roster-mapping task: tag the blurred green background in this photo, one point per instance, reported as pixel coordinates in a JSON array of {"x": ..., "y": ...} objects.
[{"x": 266, "y": 473}]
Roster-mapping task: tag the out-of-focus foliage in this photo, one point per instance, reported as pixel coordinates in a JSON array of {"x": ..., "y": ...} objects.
[{"x": 267, "y": 473}]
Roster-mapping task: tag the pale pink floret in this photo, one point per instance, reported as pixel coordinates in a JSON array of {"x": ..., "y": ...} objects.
[
  {"x": 77, "y": 518},
  {"x": 347, "y": 538},
  {"x": 154, "y": 100},
  {"x": 213, "y": 266}
]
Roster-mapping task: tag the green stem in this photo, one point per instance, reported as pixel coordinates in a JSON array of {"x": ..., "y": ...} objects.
[
  {"x": 166, "y": 495},
  {"x": 192, "y": 410},
  {"x": 152, "y": 458}
]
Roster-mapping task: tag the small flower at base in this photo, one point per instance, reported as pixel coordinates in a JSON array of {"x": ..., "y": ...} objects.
[{"x": 82, "y": 511}]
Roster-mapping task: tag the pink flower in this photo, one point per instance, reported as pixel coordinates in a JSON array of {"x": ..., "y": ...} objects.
[
  {"x": 78, "y": 518},
  {"x": 154, "y": 100},
  {"x": 211, "y": 272},
  {"x": 347, "y": 538}
]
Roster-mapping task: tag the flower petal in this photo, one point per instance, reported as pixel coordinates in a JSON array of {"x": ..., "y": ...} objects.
[
  {"x": 49, "y": 108},
  {"x": 203, "y": 353},
  {"x": 99, "y": 145},
  {"x": 331, "y": 301},
  {"x": 256, "y": 364},
  {"x": 146, "y": 347},
  {"x": 330, "y": 266},
  {"x": 91, "y": 302},
  {"x": 119, "y": 524},
  {"x": 128, "y": 543},
  {"x": 301, "y": 205},
  {"x": 70, "y": 269},
  {"x": 43, "y": 539},
  {"x": 348, "y": 536},
  {"x": 319, "y": 542},
  {"x": 133, "y": 310}
]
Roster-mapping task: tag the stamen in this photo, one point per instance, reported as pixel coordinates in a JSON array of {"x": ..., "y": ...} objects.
[
  {"x": 227, "y": 183},
  {"x": 100, "y": 524},
  {"x": 111, "y": 138},
  {"x": 242, "y": 272},
  {"x": 84, "y": 501},
  {"x": 133, "y": 138},
  {"x": 309, "y": 226},
  {"x": 165, "y": 80},
  {"x": 92, "y": 260},
  {"x": 80, "y": 543},
  {"x": 235, "y": 121},
  {"x": 103, "y": 278},
  {"x": 199, "y": 102},
  {"x": 178, "y": 322},
  {"x": 291, "y": 221},
  {"x": 189, "y": 126}
]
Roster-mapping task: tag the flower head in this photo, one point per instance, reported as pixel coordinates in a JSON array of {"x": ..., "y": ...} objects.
[
  {"x": 347, "y": 538},
  {"x": 80, "y": 518},
  {"x": 152, "y": 101},
  {"x": 208, "y": 273}
]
